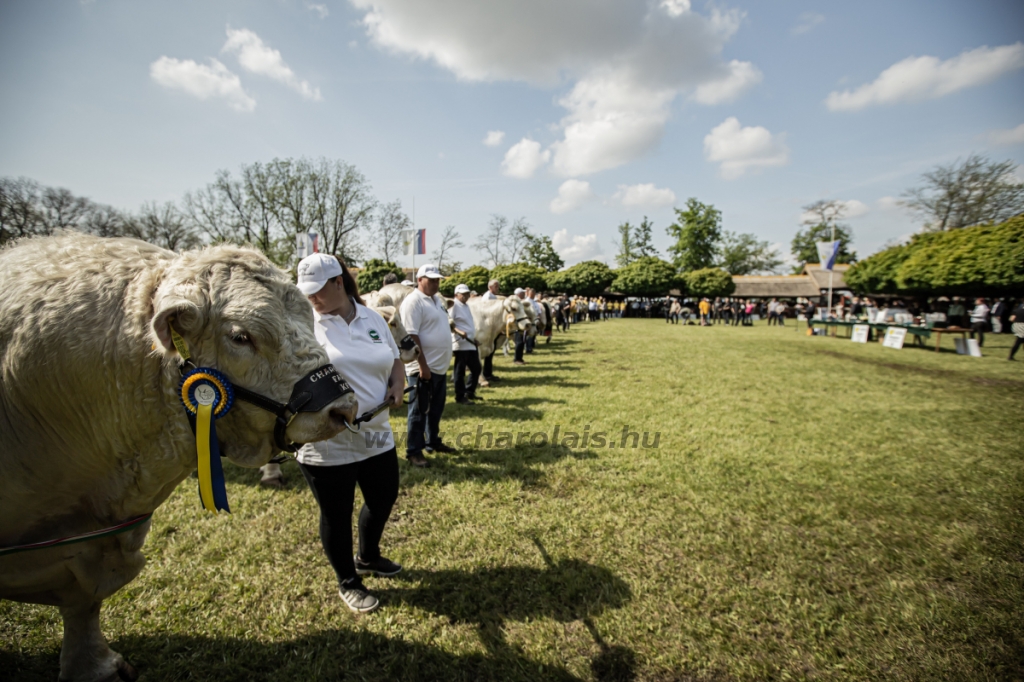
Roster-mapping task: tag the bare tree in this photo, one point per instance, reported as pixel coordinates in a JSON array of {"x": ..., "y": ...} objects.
[
  {"x": 391, "y": 222},
  {"x": 260, "y": 192},
  {"x": 825, "y": 212},
  {"x": 450, "y": 240},
  {"x": 19, "y": 208},
  {"x": 164, "y": 226},
  {"x": 61, "y": 210},
  {"x": 969, "y": 193},
  {"x": 344, "y": 210},
  {"x": 518, "y": 238},
  {"x": 105, "y": 221},
  {"x": 492, "y": 241}
]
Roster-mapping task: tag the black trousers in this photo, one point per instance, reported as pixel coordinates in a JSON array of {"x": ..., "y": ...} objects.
[
  {"x": 334, "y": 488},
  {"x": 520, "y": 340},
  {"x": 1017, "y": 343},
  {"x": 426, "y": 405},
  {"x": 488, "y": 363},
  {"x": 466, "y": 359},
  {"x": 980, "y": 328}
]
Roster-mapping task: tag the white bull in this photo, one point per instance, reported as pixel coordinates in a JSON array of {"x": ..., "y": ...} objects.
[
  {"x": 273, "y": 476},
  {"x": 94, "y": 432},
  {"x": 494, "y": 318}
]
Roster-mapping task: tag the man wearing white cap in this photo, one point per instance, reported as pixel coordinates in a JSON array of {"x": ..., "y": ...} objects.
[
  {"x": 492, "y": 293},
  {"x": 464, "y": 347},
  {"x": 520, "y": 337},
  {"x": 425, "y": 317}
]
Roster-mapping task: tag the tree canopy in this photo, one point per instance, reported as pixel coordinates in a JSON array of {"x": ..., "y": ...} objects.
[
  {"x": 541, "y": 252},
  {"x": 696, "y": 232},
  {"x": 983, "y": 260},
  {"x": 589, "y": 278},
  {"x": 970, "y": 192},
  {"x": 371, "y": 275},
  {"x": 646, "y": 277},
  {"x": 709, "y": 282},
  {"x": 519, "y": 275},
  {"x": 745, "y": 254},
  {"x": 475, "y": 278}
]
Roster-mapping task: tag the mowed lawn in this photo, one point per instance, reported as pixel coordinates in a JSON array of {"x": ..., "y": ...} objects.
[{"x": 813, "y": 509}]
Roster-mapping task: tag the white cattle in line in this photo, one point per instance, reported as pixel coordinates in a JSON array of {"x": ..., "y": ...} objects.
[
  {"x": 493, "y": 317},
  {"x": 272, "y": 475},
  {"x": 94, "y": 432}
]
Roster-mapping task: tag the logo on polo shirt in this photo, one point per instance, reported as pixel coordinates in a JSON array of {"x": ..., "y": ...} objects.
[{"x": 375, "y": 336}]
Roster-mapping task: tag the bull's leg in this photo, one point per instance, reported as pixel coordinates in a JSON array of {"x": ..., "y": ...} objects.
[
  {"x": 85, "y": 656},
  {"x": 273, "y": 477}
]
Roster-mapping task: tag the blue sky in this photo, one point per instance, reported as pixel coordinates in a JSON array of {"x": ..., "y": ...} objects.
[{"x": 600, "y": 111}]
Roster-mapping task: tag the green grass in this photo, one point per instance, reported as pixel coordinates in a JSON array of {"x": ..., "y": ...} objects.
[{"x": 815, "y": 509}]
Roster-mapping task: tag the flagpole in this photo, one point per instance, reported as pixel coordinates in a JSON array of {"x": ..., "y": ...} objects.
[
  {"x": 830, "y": 270},
  {"x": 414, "y": 232}
]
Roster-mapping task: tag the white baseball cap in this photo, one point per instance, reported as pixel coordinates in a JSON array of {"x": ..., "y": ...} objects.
[
  {"x": 519, "y": 290},
  {"x": 315, "y": 270},
  {"x": 428, "y": 270},
  {"x": 461, "y": 289},
  {"x": 408, "y": 283}
]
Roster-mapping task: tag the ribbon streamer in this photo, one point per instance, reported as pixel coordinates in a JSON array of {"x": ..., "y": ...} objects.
[{"x": 207, "y": 396}]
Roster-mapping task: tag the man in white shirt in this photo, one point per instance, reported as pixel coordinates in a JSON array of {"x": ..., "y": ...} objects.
[
  {"x": 520, "y": 337},
  {"x": 493, "y": 291},
  {"x": 425, "y": 317},
  {"x": 531, "y": 301},
  {"x": 464, "y": 347}
]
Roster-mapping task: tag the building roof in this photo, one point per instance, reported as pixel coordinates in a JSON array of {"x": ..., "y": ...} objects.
[
  {"x": 820, "y": 276},
  {"x": 775, "y": 286}
]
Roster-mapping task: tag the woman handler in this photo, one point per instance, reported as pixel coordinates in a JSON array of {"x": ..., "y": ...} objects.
[{"x": 359, "y": 343}]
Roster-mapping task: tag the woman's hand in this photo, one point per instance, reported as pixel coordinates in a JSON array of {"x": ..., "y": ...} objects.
[
  {"x": 394, "y": 396},
  {"x": 396, "y": 384}
]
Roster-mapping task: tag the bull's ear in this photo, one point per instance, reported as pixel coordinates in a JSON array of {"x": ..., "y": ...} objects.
[
  {"x": 185, "y": 314},
  {"x": 387, "y": 312}
]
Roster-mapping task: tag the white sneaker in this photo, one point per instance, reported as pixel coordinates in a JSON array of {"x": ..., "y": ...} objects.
[{"x": 356, "y": 596}]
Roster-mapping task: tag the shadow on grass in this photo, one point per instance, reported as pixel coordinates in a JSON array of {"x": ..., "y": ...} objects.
[
  {"x": 567, "y": 590},
  {"x": 483, "y": 464},
  {"x": 328, "y": 655}
]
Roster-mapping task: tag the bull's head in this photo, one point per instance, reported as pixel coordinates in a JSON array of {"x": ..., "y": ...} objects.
[
  {"x": 408, "y": 351},
  {"x": 241, "y": 315},
  {"x": 514, "y": 306}
]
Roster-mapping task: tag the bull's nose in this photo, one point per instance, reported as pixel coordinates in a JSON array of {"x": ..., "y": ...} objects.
[{"x": 339, "y": 416}]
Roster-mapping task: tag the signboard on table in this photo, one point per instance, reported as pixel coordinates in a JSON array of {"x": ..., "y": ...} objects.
[
  {"x": 894, "y": 337},
  {"x": 860, "y": 333}
]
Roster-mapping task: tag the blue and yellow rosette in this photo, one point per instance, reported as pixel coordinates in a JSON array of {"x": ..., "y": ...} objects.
[{"x": 207, "y": 396}]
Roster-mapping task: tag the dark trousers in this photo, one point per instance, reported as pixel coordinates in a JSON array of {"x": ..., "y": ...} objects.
[
  {"x": 488, "y": 368},
  {"x": 466, "y": 359},
  {"x": 1017, "y": 343},
  {"x": 425, "y": 409},
  {"x": 334, "y": 488},
  {"x": 520, "y": 340},
  {"x": 980, "y": 328},
  {"x": 530, "y": 342}
]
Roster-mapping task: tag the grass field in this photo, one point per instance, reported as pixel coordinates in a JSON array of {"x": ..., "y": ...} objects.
[{"x": 814, "y": 509}]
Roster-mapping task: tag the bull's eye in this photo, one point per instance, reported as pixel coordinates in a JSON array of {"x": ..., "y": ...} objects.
[{"x": 241, "y": 339}]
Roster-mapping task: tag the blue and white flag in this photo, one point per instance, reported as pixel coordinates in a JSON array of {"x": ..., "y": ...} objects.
[
  {"x": 414, "y": 242},
  {"x": 827, "y": 252}
]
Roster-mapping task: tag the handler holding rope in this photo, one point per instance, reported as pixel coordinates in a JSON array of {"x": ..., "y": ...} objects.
[{"x": 359, "y": 340}]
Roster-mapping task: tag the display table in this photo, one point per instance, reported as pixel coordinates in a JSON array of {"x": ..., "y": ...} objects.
[{"x": 939, "y": 331}]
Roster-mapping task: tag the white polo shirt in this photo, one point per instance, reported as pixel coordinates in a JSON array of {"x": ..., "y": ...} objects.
[
  {"x": 363, "y": 353},
  {"x": 463, "y": 319},
  {"x": 489, "y": 295},
  {"x": 427, "y": 317}
]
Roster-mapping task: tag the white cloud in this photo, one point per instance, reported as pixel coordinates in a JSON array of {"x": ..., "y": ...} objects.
[
  {"x": 575, "y": 248},
  {"x": 205, "y": 82},
  {"x": 625, "y": 61},
  {"x": 644, "y": 196},
  {"x": 319, "y": 10},
  {"x": 742, "y": 76},
  {"x": 258, "y": 58},
  {"x": 805, "y": 22},
  {"x": 524, "y": 158},
  {"x": 920, "y": 78},
  {"x": 494, "y": 138},
  {"x": 740, "y": 149},
  {"x": 571, "y": 195},
  {"x": 888, "y": 203},
  {"x": 1006, "y": 138}
]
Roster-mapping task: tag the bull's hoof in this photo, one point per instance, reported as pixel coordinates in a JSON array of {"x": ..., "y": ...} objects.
[{"x": 276, "y": 482}]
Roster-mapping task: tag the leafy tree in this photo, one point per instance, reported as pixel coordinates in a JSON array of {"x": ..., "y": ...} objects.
[
  {"x": 626, "y": 245},
  {"x": 973, "y": 192},
  {"x": 979, "y": 260},
  {"x": 646, "y": 277},
  {"x": 475, "y": 278},
  {"x": 519, "y": 275},
  {"x": 696, "y": 232},
  {"x": 371, "y": 275},
  {"x": 541, "y": 252},
  {"x": 709, "y": 282},
  {"x": 589, "y": 278},
  {"x": 643, "y": 240},
  {"x": 744, "y": 254},
  {"x": 821, "y": 218}
]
